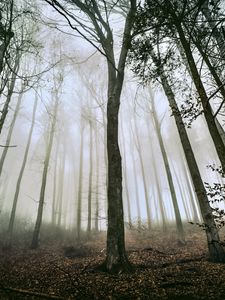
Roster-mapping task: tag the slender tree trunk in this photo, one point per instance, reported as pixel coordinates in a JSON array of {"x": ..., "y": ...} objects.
[
  {"x": 143, "y": 175},
  {"x": 214, "y": 27},
  {"x": 8, "y": 35},
  {"x": 11, "y": 128},
  {"x": 90, "y": 177},
  {"x": 5, "y": 108},
  {"x": 218, "y": 142},
  {"x": 137, "y": 199},
  {"x": 61, "y": 188},
  {"x": 54, "y": 202},
  {"x": 157, "y": 186},
  {"x": 216, "y": 252},
  {"x": 180, "y": 229},
  {"x": 20, "y": 177},
  {"x": 125, "y": 174},
  {"x": 36, "y": 233},
  {"x": 80, "y": 184},
  {"x": 190, "y": 188},
  {"x": 97, "y": 180}
]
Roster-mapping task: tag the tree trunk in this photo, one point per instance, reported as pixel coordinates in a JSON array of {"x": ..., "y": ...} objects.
[
  {"x": 20, "y": 177},
  {"x": 54, "y": 202},
  {"x": 137, "y": 200},
  {"x": 125, "y": 174},
  {"x": 5, "y": 108},
  {"x": 90, "y": 179},
  {"x": 80, "y": 183},
  {"x": 97, "y": 180},
  {"x": 116, "y": 257},
  {"x": 216, "y": 251},
  {"x": 218, "y": 142},
  {"x": 180, "y": 229},
  {"x": 144, "y": 179},
  {"x": 11, "y": 128},
  {"x": 36, "y": 233},
  {"x": 61, "y": 188},
  {"x": 157, "y": 186}
]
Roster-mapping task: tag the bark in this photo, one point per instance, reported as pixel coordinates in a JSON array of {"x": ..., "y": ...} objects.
[
  {"x": 36, "y": 232},
  {"x": 20, "y": 177},
  {"x": 116, "y": 258},
  {"x": 216, "y": 252},
  {"x": 11, "y": 128}
]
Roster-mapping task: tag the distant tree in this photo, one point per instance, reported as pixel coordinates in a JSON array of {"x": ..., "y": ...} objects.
[
  {"x": 20, "y": 177},
  {"x": 80, "y": 180},
  {"x": 36, "y": 232},
  {"x": 180, "y": 229}
]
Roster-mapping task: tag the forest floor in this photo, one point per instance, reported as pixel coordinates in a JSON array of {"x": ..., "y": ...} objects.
[{"x": 163, "y": 269}]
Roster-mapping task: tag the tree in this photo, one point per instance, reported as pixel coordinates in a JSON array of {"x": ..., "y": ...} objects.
[
  {"x": 216, "y": 252},
  {"x": 20, "y": 177},
  {"x": 98, "y": 14},
  {"x": 180, "y": 229},
  {"x": 36, "y": 232}
]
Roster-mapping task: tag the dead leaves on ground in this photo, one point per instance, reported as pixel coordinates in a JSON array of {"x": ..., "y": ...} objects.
[{"x": 163, "y": 270}]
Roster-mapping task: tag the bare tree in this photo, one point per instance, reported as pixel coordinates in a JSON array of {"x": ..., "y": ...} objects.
[
  {"x": 98, "y": 15},
  {"x": 36, "y": 232}
]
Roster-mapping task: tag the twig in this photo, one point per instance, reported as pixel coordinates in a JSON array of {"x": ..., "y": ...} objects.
[
  {"x": 31, "y": 293},
  {"x": 5, "y": 146}
]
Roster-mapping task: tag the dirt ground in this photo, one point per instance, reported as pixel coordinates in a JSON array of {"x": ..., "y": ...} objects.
[{"x": 163, "y": 269}]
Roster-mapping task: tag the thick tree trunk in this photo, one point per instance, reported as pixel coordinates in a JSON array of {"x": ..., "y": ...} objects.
[
  {"x": 36, "y": 232},
  {"x": 20, "y": 177},
  {"x": 116, "y": 257}
]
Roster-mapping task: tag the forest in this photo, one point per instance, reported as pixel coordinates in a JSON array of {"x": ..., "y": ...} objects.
[{"x": 112, "y": 149}]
